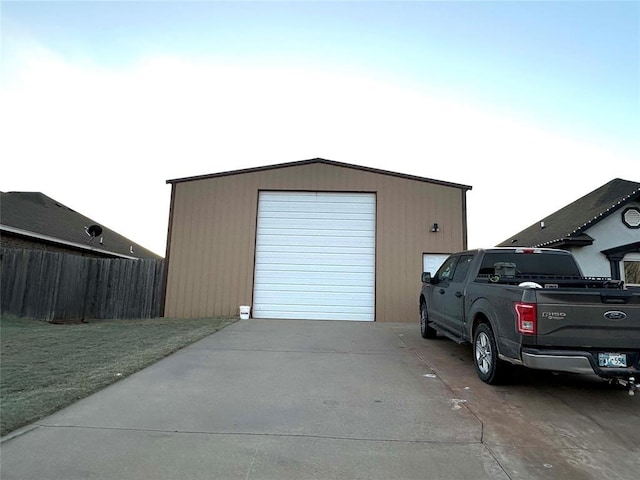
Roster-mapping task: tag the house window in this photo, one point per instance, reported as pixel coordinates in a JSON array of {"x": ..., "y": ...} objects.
[{"x": 631, "y": 269}]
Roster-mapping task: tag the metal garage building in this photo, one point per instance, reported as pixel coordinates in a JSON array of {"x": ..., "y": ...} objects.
[{"x": 315, "y": 239}]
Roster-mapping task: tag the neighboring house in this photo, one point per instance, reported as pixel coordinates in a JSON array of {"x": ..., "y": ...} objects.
[
  {"x": 314, "y": 239},
  {"x": 31, "y": 220},
  {"x": 602, "y": 229}
]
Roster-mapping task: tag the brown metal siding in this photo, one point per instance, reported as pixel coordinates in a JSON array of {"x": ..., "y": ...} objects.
[{"x": 213, "y": 229}]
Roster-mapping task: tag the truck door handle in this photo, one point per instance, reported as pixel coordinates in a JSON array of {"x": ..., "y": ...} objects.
[
  {"x": 441, "y": 291},
  {"x": 458, "y": 294}
]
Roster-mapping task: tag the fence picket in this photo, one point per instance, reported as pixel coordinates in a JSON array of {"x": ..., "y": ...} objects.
[{"x": 59, "y": 286}]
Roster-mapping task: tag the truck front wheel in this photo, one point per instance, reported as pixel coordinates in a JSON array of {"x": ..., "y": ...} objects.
[
  {"x": 426, "y": 330},
  {"x": 489, "y": 367}
]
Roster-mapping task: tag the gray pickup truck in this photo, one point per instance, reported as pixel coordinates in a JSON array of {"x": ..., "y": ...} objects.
[{"x": 533, "y": 307}]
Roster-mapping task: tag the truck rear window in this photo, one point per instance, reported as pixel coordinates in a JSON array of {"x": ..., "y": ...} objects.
[{"x": 532, "y": 264}]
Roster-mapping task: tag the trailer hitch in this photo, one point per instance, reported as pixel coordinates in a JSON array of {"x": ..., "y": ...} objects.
[{"x": 627, "y": 382}]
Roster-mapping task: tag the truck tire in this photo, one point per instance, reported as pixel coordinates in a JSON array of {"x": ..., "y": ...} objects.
[
  {"x": 426, "y": 330},
  {"x": 489, "y": 367}
]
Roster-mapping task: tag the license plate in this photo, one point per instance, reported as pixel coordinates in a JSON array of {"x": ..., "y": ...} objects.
[{"x": 614, "y": 360}]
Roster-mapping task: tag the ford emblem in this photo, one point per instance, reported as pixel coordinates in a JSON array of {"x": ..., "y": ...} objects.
[{"x": 615, "y": 315}]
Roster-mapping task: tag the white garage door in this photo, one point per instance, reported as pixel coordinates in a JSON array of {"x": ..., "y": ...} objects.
[
  {"x": 431, "y": 262},
  {"x": 315, "y": 256}
]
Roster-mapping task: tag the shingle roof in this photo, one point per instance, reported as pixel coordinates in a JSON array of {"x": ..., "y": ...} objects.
[
  {"x": 568, "y": 225},
  {"x": 36, "y": 215},
  {"x": 321, "y": 161}
]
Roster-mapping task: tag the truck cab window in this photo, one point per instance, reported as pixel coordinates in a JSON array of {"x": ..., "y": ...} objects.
[
  {"x": 462, "y": 268},
  {"x": 445, "y": 272}
]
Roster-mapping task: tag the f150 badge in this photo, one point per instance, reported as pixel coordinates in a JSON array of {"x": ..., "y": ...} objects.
[
  {"x": 615, "y": 315},
  {"x": 554, "y": 315}
]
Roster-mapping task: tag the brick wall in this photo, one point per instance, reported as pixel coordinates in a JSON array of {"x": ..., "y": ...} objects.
[{"x": 9, "y": 240}]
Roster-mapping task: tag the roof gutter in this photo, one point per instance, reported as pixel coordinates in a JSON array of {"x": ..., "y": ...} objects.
[{"x": 47, "y": 238}]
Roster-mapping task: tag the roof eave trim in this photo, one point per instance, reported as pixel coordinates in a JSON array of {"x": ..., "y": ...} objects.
[
  {"x": 630, "y": 247},
  {"x": 565, "y": 241},
  {"x": 609, "y": 211},
  {"x": 47, "y": 238},
  {"x": 319, "y": 160}
]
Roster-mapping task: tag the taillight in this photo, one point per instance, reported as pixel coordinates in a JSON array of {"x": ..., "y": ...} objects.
[{"x": 527, "y": 314}]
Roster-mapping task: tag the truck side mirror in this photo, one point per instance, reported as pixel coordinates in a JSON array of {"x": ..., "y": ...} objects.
[{"x": 426, "y": 277}]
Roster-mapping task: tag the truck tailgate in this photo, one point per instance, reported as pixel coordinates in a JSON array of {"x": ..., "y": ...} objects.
[{"x": 599, "y": 319}]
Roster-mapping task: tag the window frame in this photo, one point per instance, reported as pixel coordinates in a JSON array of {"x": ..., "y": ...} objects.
[{"x": 630, "y": 258}]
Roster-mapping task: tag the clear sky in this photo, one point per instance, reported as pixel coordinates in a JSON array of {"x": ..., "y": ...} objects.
[{"x": 532, "y": 103}]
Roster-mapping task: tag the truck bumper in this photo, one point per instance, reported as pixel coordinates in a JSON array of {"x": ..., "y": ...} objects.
[
  {"x": 559, "y": 363},
  {"x": 576, "y": 362}
]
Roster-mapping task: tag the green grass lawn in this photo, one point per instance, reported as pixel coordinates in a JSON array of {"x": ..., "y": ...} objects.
[{"x": 45, "y": 367}]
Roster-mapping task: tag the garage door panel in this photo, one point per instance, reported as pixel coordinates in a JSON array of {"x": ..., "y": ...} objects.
[
  {"x": 319, "y": 258},
  {"x": 352, "y": 317},
  {"x": 295, "y": 239},
  {"x": 302, "y": 309},
  {"x": 272, "y": 268},
  {"x": 315, "y": 256},
  {"x": 330, "y": 221},
  {"x": 316, "y": 263},
  {"x": 294, "y": 280},
  {"x": 327, "y": 212},
  {"x": 319, "y": 299},
  {"x": 315, "y": 249},
  {"x": 268, "y": 216},
  {"x": 316, "y": 284},
  {"x": 285, "y": 232},
  {"x": 355, "y": 288},
  {"x": 282, "y": 200},
  {"x": 306, "y": 313},
  {"x": 284, "y": 277},
  {"x": 319, "y": 227},
  {"x": 431, "y": 262}
]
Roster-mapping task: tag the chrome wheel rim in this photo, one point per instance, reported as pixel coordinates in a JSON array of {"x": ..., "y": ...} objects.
[
  {"x": 423, "y": 320},
  {"x": 483, "y": 353}
]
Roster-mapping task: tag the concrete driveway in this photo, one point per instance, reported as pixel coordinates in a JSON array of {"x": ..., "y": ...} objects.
[{"x": 265, "y": 399}]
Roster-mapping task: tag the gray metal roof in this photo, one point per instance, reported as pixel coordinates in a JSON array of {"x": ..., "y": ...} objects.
[
  {"x": 37, "y": 216},
  {"x": 568, "y": 225}
]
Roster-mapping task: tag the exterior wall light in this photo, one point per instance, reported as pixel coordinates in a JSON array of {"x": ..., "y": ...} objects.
[{"x": 435, "y": 228}]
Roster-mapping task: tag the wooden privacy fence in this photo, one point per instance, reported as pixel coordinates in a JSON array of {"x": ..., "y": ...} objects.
[{"x": 58, "y": 286}]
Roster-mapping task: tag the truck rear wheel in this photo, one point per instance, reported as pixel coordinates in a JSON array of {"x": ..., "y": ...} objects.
[
  {"x": 489, "y": 367},
  {"x": 426, "y": 330}
]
